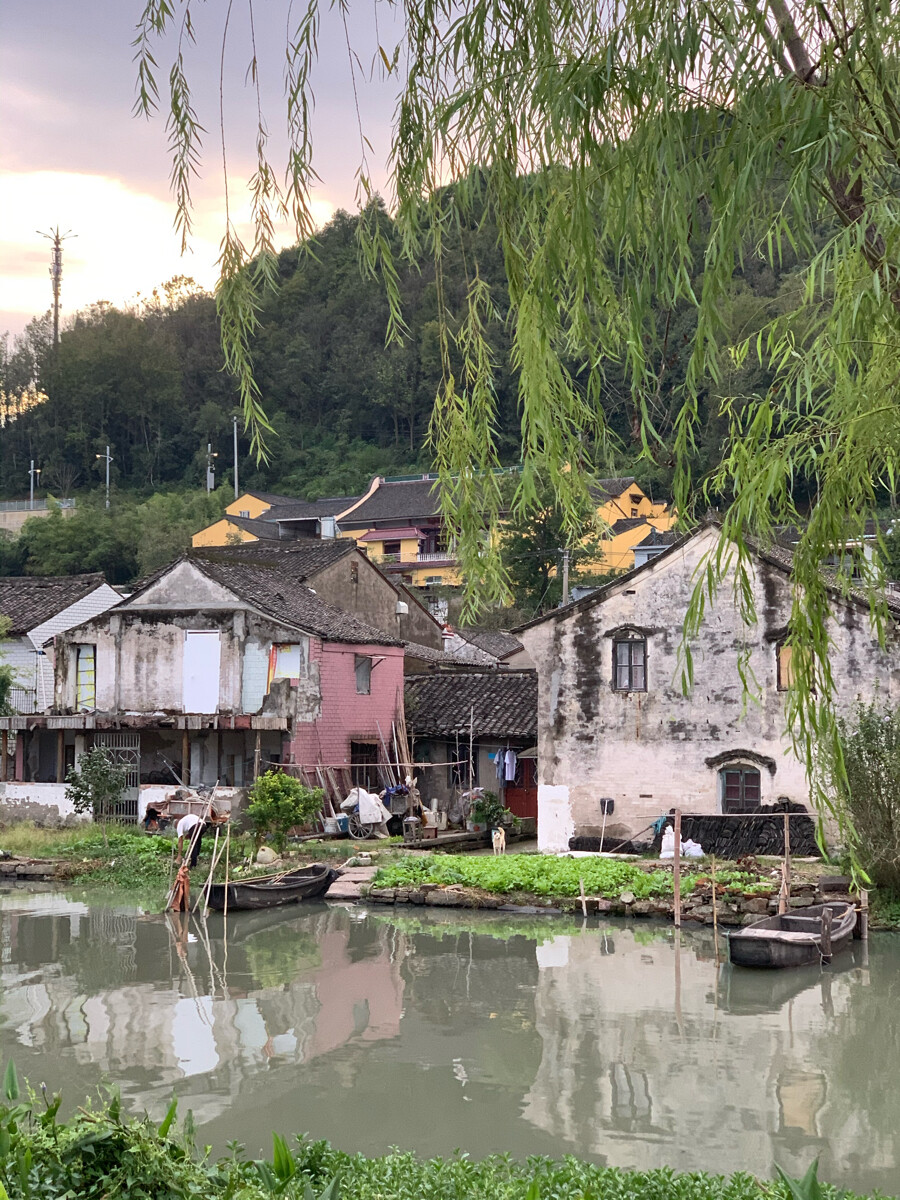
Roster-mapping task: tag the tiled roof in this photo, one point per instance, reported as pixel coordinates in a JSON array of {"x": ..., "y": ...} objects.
[
  {"x": 608, "y": 489},
  {"x": 657, "y": 537},
  {"x": 254, "y": 525},
  {"x": 626, "y": 523},
  {"x": 497, "y": 704},
  {"x": 271, "y": 582},
  {"x": 30, "y": 600},
  {"x": 496, "y": 642},
  {"x": 269, "y": 497},
  {"x": 298, "y": 559},
  {"x": 304, "y": 510},
  {"x": 427, "y": 653},
  {"x": 404, "y": 502}
]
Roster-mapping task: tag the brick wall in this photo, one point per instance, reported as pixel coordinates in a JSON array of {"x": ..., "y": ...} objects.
[{"x": 347, "y": 716}]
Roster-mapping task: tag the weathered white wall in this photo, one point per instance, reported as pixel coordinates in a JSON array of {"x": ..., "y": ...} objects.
[
  {"x": 649, "y": 751},
  {"x": 44, "y": 803}
]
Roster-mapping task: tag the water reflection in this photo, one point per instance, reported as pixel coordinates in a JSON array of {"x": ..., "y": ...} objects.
[{"x": 436, "y": 1030}]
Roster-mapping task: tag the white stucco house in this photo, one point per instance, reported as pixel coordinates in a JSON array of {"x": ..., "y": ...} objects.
[
  {"x": 614, "y": 722},
  {"x": 38, "y": 608}
]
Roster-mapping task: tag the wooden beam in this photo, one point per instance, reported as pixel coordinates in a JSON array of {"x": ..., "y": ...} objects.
[
  {"x": 186, "y": 758},
  {"x": 60, "y": 755},
  {"x": 676, "y": 868}
]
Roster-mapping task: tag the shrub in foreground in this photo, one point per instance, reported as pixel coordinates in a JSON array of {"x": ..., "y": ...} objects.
[{"x": 99, "y": 1153}]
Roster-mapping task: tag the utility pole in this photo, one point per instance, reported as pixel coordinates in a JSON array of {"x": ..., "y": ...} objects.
[
  {"x": 31, "y": 474},
  {"x": 565, "y": 573},
  {"x": 108, "y": 458},
  {"x": 235, "y": 460},
  {"x": 210, "y": 468},
  {"x": 57, "y": 239}
]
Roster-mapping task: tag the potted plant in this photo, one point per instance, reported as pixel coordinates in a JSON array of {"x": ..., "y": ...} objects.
[{"x": 487, "y": 813}]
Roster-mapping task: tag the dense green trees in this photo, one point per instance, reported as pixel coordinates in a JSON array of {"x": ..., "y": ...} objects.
[{"x": 150, "y": 381}]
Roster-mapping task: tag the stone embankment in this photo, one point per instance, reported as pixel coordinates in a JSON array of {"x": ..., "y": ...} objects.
[
  {"x": 29, "y": 868},
  {"x": 732, "y": 908}
]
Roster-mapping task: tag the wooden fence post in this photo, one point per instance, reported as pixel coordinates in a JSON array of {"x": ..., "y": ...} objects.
[{"x": 676, "y": 869}]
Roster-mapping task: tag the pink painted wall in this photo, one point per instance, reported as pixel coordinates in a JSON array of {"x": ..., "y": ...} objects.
[{"x": 346, "y": 716}]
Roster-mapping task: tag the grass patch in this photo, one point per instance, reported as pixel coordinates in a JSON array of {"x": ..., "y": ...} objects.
[
  {"x": 27, "y": 840},
  {"x": 534, "y": 875}
]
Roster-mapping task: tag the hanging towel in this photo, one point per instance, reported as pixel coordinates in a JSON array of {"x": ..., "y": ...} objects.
[{"x": 510, "y": 765}]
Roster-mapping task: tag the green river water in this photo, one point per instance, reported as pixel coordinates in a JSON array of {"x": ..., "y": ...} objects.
[{"x": 433, "y": 1031}]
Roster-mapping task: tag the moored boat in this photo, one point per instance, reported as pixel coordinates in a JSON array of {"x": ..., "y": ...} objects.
[
  {"x": 795, "y": 938},
  {"x": 306, "y": 883}
]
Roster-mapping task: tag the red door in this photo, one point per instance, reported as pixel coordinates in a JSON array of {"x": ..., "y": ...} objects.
[{"x": 521, "y": 794}]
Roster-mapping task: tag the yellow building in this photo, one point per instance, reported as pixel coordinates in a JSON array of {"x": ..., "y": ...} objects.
[
  {"x": 263, "y": 516},
  {"x": 629, "y": 517},
  {"x": 399, "y": 526}
]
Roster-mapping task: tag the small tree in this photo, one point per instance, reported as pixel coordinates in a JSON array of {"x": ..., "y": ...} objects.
[
  {"x": 97, "y": 785},
  {"x": 871, "y": 746},
  {"x": 278, "y": 802}
]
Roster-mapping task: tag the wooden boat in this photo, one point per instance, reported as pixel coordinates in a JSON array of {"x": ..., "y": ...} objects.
[
  {"x": 306, "y": 883},
  {"x": 795, "y": 938}
]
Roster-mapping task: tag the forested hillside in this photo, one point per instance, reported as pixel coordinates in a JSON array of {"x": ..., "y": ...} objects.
[{"x": 149, "y": 382}]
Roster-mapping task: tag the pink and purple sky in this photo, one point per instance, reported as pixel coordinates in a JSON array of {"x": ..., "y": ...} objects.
[{"x": 72, "y": 155}]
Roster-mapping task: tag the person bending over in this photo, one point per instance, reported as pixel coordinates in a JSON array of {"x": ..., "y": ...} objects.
[{"x": 187, "y": 828}]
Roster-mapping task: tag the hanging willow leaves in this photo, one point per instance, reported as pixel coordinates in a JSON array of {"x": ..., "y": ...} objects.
[{"x": 618, "y": 146}]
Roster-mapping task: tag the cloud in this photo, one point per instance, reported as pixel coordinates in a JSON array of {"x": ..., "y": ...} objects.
[{"x": 125, "y": 244}]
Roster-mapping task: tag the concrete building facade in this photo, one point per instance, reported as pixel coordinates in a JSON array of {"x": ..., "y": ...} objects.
[{"x": 614, "y": 721}]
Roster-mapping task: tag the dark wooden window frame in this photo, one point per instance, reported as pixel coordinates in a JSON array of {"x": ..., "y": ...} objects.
[
  {"x": 742, "y": 792},
  {"x": 629, "y": 671}
]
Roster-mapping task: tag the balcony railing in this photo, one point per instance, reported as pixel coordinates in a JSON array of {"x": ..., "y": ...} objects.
[{"x": 437, "y": 556}]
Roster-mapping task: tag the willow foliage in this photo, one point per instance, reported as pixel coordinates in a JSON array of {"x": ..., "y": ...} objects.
[{"x": 613, "y": 141}]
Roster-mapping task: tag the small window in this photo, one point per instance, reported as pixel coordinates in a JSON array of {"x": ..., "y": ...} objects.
[
  {"x": 630, "y": 665},
  {"x": 784, "y": 666},
  {"x": 392, "y": 549},
  {"x": 740, "y": 789},
  {"x": 634, "y": 511},
  {"x": 245, "y": 512},
  {"x": 287, "y": 661},
  {"x": 363, "y": 674},
  {"x": 85, "y": 677}
]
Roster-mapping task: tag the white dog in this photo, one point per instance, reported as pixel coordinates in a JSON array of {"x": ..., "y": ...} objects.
[{"x": 498, "y": 838}]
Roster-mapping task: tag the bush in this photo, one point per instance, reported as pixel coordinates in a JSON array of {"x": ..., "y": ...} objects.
[
  {"x": 99, "y": 1152},
  {"x": 871, "y": 747},
  {"x": 278, "y": 802},
  {"x": 98, "y": 784}
]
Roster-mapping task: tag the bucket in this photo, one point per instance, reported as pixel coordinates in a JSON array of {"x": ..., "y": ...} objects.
[
  {"x": 332, "y": 824},
  {"x": 343, "y": 823}
]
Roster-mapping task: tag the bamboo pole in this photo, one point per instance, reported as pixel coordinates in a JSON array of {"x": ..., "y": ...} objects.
[
  {"x": 212, "y": 866},
  {"x": 715, "y": 912},
  {"x": 787, "y": 851},
  {"x": 227, "y": 863},
  {"x": 826, "y": 933},
  {"x": 863, "y": 917},
  {"x": 676, "y": 869},
  {"x": 186, "y": 758},
  {"x": 583, "y": 900}
]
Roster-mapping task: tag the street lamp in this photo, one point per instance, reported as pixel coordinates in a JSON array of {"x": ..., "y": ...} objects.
[
  {"x": 31, "y": 474},
  {"x": 108, "y": 458},
  {"x": 210, "y": 467}
]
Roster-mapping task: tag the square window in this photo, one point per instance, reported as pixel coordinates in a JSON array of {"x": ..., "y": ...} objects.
[
  {"x": 392, "y": 549},
  {"x": 363, "y": 665}
]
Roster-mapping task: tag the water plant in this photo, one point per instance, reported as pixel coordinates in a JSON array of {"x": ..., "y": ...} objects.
[{"x": 100, "y": 1152}]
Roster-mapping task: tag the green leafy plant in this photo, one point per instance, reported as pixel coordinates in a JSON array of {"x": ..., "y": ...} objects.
[
  {"x": 278, "y": 803},
  {"x": 97, "y": 785},
  {"x": 532, "y": 874},
  {"x": 488, "y": 810},
  {"x": 870, "y": 745}
]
